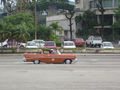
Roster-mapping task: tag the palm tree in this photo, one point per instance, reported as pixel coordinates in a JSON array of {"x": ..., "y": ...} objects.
[
  {"x": 55, "y": 27},
  {"x": 22, "y": 34}
]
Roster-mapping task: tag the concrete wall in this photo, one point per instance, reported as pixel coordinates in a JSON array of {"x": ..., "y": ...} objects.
[{"x": 64, "y": 23}]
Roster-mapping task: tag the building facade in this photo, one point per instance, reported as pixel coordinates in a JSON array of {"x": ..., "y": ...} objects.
[
  {"x": 109, "y": 14},
  {"x": 81, "y": 6},
  {"x": 64, "y": 23}
]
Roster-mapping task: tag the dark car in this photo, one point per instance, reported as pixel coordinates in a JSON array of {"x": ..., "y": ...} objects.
[{"x": 79, "y": 41}]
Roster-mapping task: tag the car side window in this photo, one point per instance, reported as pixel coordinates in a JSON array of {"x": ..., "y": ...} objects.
[{"x": 89, "y": 38}]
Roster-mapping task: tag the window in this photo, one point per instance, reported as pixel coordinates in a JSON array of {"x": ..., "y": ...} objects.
[
  {"x": 77, "y": 1},
  {"x": 92, "y": 4},
  {"x": 107, "y": 3},
  {"x": 116, "y": 3},
  {"x": 68, "y": 44}
]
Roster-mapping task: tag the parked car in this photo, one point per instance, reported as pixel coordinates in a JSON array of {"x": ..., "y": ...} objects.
[
  {"x": 94, "y": 41},
  {"x": 0, "y": 44},
  {"x": 50, "y": 58},
  {"x": 107, "y": 45},
  {"x": 12, "y": 43},
  {"x": 22, "y": 45},
  {"x": 31, "y": 44},
  {"x": 50, "y": 44},
  {"x": 68, "y": 44},
  {"x": 118, "y": 43},
  {"x": 39, "y": 43},
  {"x": 79, "y": 41}
]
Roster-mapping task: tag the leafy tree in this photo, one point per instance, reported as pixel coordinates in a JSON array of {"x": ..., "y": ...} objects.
[
  {"x": 116, "y": 25},
  {"x": 23, "y": 5},
  {"x": 9, "y": 6},
  {"x": 68, "y": 12},
  {"x": 56, "y": 28},
  {"x": 20, "y": 26},
  {"x": 2, "y": 31},
  {"x": 87, "y": 21},
  {"x": 47, "y": 33}
]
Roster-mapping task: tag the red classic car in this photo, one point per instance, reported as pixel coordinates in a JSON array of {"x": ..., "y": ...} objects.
[
  {"x": 50, "y": 44},
  {"x": 56, "y": 57},
  {"x": 79, "y": 41}
]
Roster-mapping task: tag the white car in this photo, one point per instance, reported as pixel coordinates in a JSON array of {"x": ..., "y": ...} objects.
[
  {"x": 118, "y": 43},
  {"x": 68, "y": 44},
  {"x": 0, "y": 44},
  {"x": 31, "y": 44},
  {"x": 39, "y": 43},
  {"x": 94, "y": 41},
  {"x": 107, "y": 45}
]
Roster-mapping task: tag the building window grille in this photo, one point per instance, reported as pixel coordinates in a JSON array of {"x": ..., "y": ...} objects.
[
  {"x": 116, "y": 3},
  {"x": 107, "y": 3},
  {"x": 92, "y": 4}
]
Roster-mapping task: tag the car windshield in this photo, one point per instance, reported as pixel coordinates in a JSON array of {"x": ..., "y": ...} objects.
[
  {"x": 107, "y": 44},
  {"x": 39, "y": 41},
  {"x": 68, "y": 44},
  {"x": 97, "y": 38},
  {"x": 79, "y": 40},
  {"x": 56, "y": 52},
  {"x": 31, "y": 44},
  {"x": 49, "y": 44}
]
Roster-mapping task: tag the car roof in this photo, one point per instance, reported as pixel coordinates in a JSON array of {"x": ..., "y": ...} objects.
[
  {"x": 30, "y": 42},
  {"x": 107, "y": 42},
  {"x": 78, "y": 38},
  {"x": 68, "y": 42},
  {"x": 49, "y": 41},
  {"x": 38, "y": 40}
]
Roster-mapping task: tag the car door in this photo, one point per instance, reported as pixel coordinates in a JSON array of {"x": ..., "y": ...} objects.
[{"x": 88, "y": 40}]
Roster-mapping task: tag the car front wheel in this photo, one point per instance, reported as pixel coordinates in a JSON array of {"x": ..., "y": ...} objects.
[
  {"x": 68, "y": 61},
  {"x": 36, "y": 61}
]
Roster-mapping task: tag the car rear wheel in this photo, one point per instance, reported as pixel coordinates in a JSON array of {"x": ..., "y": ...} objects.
[
  {"x": 36, "y": 61},
  {"x": 21, "y": 46},
  {"x": 68, "y": 61}
]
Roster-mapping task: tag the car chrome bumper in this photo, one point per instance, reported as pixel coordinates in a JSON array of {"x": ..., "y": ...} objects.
[{"x": 74, "y": 61}]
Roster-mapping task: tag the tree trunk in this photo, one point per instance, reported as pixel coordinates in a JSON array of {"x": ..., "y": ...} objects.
[
  {"x": 70, "y": 21},
  {"x": 102, "y": 24}
]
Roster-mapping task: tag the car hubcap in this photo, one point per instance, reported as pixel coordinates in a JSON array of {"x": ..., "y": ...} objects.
[
  {"x": 36, "y": 61},
  {"x": 67, "y": 61}
]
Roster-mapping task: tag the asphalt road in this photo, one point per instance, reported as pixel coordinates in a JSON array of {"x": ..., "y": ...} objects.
[{"x": 89, "y": 73}]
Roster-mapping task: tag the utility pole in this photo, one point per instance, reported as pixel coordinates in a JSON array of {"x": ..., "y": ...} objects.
[{"x": 35, "y": 19}]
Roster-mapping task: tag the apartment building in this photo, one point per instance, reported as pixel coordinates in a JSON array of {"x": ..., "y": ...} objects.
[
  {"x": 64, "y": 23},
  {"x": 83, "y": 5},
  {"x": 109, "y": 17},
  {"x": 55, "y": 16}
]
